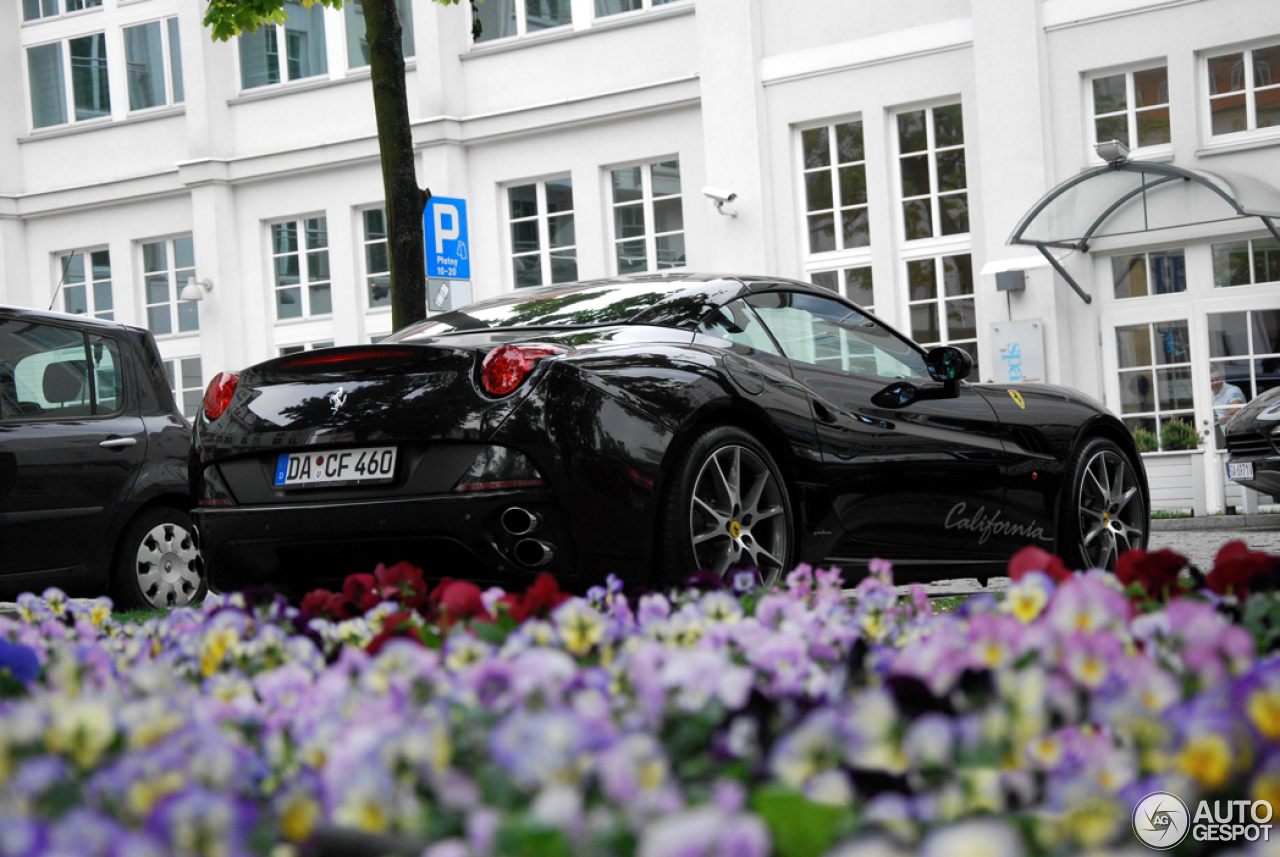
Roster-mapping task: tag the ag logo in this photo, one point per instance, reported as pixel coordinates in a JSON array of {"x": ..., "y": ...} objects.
[
  {"x": 1017, "y": 397},
  {"x": 1161, "y": 820}
]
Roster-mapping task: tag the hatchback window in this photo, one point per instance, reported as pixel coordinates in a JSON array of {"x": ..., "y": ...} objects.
[
  {"x": 823, "y": 332},
  {"x": 45, "y": 373}
]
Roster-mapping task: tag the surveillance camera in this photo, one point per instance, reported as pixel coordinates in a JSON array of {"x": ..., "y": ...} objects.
[{"x": 719, "y": 196}]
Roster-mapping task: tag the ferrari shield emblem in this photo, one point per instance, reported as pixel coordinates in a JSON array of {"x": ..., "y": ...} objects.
[{"x": 1017, "y": 397}]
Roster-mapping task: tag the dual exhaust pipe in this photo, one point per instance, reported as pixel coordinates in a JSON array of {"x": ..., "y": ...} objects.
[{"x": 529, "y": 552}]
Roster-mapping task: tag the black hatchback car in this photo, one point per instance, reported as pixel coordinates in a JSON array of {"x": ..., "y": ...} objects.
[{"x": 93, "y": 463}]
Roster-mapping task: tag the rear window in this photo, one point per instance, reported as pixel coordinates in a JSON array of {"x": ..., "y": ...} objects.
[{"x": 583, "y": 305}]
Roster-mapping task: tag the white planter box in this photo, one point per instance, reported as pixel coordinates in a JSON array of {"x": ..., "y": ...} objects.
[{"x": 1176, "y": 481}]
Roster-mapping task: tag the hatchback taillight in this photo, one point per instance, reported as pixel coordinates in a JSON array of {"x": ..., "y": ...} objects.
[
  {"x": 217, "y": 397},
  {"x": 506, "y": 366}
]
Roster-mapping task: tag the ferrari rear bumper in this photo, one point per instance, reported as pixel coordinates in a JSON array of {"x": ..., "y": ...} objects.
[{"x": 299, "y": 547}]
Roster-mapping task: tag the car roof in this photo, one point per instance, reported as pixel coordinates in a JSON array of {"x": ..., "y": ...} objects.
[{"x": 52, "y": 317}]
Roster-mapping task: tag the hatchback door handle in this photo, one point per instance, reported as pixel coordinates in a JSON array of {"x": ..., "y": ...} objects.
[{"x": 118, "y": 442}]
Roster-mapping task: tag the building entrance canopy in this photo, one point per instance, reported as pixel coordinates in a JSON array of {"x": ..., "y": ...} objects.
[{"x": 1127, "y": 197}]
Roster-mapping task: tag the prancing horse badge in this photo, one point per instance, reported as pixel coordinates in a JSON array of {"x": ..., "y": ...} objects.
[{"x": 337, "y": 399}]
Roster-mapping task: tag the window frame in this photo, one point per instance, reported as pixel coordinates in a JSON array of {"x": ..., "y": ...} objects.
[
  {"x": 170, "y": 77},
  {"x": 305, "y": 282},
  {"x": 940, "y": 300},
  {"x": 647, "y": 202},
  {"x": 172, "y": 367},
  {"x": 69, "y": 119},
  {"x": 522, "y": 25},
  {"x": 282, "y": 57},
  {"x": 1251, "y": 251},
  {"x": 176, "y": 283},
  {"x": 935, "y": 194},
  {"x": 542, "y": 217},
  {"x": 367, "y": 275},
  {"x": 1131, "y": 110},
  {"x": 1249, "y": 91},
  {"x": 840, "y": 255},
  {"x": 407, "y": 33},
  {"x": 89, "y": 7},
  {"x": 1117, "y": 372},
  {"x": 89, "y": 283},
  {"x": 646, "y": 7},
  {"x": 842, "y": 287},
  {"x": 1149, "y": 262}
]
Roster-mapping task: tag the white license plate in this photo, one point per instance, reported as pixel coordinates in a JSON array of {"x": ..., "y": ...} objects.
[
  {"x": 333, "y": 467},
  {"x": 1240, "y": 470}
]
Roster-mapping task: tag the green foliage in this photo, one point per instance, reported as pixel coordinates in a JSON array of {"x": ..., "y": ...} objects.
[
  {"x": 227, "y": 18},
  {"x": 1176, "y": 434},
  {"x": 1262, "y": 621},
  {"x": 1146, "y": 440},
  {"x": 800, "y": 827}
]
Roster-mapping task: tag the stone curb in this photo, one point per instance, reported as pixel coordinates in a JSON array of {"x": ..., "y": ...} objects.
[{"x": 1217, "y": 522}]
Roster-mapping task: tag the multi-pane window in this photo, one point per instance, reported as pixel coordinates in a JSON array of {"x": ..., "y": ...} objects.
[
  {"x": 1161, "y": 272},
  {"x": 72, "y": 71},
  {"x": 33, "y": 10},
  {"x": 153, "y": 64},
  {"x": 835, "y": 187},
  {"x": 940, "y": 299},
  {"x": 605, "y": 8},
  {"x": 377, "y": 257},
  {"x": 1245, "y": 348},
  {"x": 358, "y": 45},
  {"x": 648, "y": 217},
  {"x": 853, "y": 283},
  {"x": 935, "y": 196},
  {"x": 187, "y": 383},
  {"x": 543, "y": 246},
  {"x": 499, "y": 19},
  {"x": 300, "y": 264},
  {"x": 262, "y": 62},
  {"x": 1243, "y": 263},
  {"x": 166, "y": 266},
  {"x": 86, "y": 288},
  {"x": 306, "y": 346},
  {"x": 1154, "y": 361},
  {"x": 1244, "y": 90},
  {"x": 1132, "y": 107}
]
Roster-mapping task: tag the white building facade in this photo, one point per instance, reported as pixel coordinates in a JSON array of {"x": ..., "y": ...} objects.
[{"x": 886, "y": 150}]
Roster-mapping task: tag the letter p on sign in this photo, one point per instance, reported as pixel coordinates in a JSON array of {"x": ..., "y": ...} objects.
[{"x": 446, "y": 212}]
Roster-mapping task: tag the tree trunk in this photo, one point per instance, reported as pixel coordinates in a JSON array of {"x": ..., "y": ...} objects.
[{"x": 405, "y": 200}]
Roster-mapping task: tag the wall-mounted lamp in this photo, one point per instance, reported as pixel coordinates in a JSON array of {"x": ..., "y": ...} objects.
[
  {"x": 194, "y": 289},
  {"x": 720, "y": 197},
  {"x": 1113, "y": 152}
]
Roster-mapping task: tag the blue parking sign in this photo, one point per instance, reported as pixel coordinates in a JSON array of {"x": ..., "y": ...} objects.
[{"x": 444, "y": 221}]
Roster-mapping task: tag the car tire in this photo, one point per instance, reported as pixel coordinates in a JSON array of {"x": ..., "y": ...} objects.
[
  {"x": 157, "y": 564},
  {"x": 1105, "y": 511},
  {"x": 726, "y": 508}
]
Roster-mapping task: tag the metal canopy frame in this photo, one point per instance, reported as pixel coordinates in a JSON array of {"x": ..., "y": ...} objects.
[{"x": 1164, "y": 173}]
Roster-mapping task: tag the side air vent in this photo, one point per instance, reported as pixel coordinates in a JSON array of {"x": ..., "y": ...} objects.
[
  {"x": 1029, "y": 439},
  {"x": 1249, "y": 444}
]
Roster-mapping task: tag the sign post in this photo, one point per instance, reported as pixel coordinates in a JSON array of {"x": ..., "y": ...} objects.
[{"x": 444, "y": 224}]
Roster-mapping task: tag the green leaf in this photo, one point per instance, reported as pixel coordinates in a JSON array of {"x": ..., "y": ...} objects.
[
  {"x": 527, "y": 838},
  {"x": 800, "y": 827}
]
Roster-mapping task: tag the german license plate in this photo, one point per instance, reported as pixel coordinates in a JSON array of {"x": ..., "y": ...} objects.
[
  {"x": 333, "y": 467},
  {"x": 1239, "y": 470}
]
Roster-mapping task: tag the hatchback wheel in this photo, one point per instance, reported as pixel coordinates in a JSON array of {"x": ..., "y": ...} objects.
[{"x": 158, "y": 565}]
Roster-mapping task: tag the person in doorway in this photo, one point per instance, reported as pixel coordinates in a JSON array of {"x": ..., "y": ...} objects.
[{"x": 1227, "y": 399}]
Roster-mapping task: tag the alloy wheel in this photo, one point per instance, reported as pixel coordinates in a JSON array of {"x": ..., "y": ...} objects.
[
  {"x": 166, "y": 564},
  {"x": 1110, "y": 509},
  {"x": 737, "y": 517}
]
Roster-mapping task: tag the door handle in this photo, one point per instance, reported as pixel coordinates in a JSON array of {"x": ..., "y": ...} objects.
[{"x": 118, "y": 442}]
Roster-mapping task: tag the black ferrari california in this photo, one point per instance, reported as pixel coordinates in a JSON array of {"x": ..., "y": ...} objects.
[{"x": 650, "y": 426}]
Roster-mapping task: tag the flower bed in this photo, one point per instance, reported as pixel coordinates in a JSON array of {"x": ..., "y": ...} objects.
[{"x": 719, "y": 721}]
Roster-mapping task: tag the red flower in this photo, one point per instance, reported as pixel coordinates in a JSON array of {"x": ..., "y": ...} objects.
[
  {"x": 398, "y": 625},
  {"x": 314, "y": 603},
  {"x": 1032, "y": 558},
  {"x": 461, "y": 600},
  {"x": 362, "y": 591},
  {"x": 1157, "y": 572},
  {"x": 1235, "y": 567},
  {"x": 538, "y": 600},
  {"x": 403, "y": 583},
  {"x": 338, "y": 607}
]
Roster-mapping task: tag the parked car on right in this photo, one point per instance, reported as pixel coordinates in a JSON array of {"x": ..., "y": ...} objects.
[{"x": 1253, "y": 441}]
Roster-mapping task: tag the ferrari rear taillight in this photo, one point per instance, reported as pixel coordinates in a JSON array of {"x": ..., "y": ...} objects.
[
  {"x": 217, "y": 398},
  {"x": 500, "y": 468},
  {"x": 507, "y": 365}
]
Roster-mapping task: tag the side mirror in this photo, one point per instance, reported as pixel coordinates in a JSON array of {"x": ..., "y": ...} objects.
[{"x": 946, "y": 363}]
